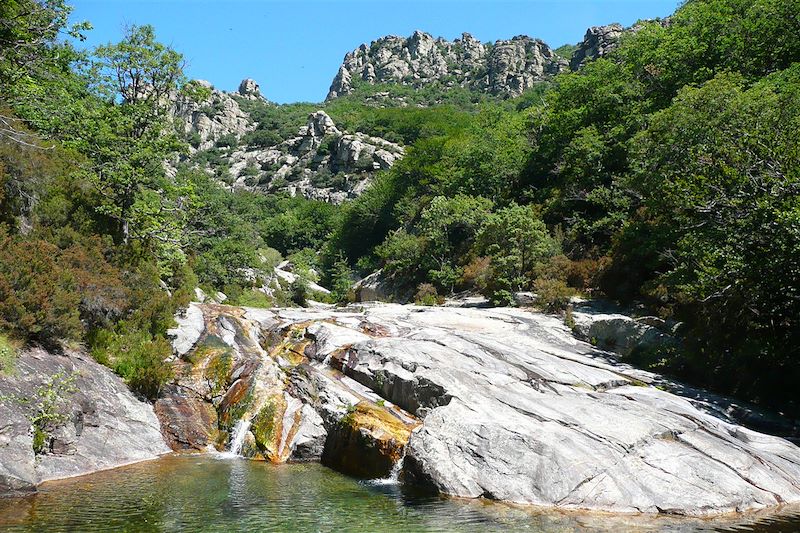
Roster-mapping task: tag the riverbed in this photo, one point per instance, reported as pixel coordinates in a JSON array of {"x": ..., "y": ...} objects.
[{"x": 216, "y": 493}]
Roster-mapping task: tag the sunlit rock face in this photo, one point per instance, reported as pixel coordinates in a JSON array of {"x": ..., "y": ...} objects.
[
  {"x": 506, "y": 67},
  {"x": 212, "y": 117},
  {"x": 496, "y": 403},
  {"x": 88, "y": 420},
  {"x": 321, "y": 162}
]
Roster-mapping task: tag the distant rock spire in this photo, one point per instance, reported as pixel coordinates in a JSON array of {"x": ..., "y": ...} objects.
[{"x": 249, "y": 89}]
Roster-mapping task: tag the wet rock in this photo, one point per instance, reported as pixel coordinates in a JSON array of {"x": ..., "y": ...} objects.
[
  {"x": 511, "y": 405},
  {"x": 366, "y": 442},
  {"x": 187, "y": 422}
]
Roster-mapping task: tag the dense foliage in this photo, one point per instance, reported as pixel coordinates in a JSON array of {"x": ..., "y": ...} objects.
[{"x": 664, "y": 175}]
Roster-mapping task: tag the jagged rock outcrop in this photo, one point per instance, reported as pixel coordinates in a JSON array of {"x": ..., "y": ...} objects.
[
  {"x": 321, "y": 162},
  {"x": 79, "y": 416},
  {"x": 598, "y": 41},
  {"x": 248, "y": 88},
  {"x": 512, "y": 407},
  {"x": 208, "y": 119},
  {"x": 507, "y": 67}
]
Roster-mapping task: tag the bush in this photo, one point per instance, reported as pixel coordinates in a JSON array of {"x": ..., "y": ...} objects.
[
  {"x": 341, "y": 280},
  {"x": 553, "y": 295},
  {"x": 426, "y": 295},
  {"x": 8, "y": 356},
  {"x": 254, "y": 298},
  {"x": 194, "y": 139},
  {"x": 138, "y": 357},
  {"x": 477, "y": 273},
  {"x": 299, "y": 292},
  {"x": 38, "y": 296}
]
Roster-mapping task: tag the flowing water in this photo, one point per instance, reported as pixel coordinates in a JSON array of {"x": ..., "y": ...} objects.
[
  {"x": 208, "y": 493},
  {"x": 239, "y": 434}
]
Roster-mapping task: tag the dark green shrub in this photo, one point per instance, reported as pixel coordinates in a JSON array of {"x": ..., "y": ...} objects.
[
  {"x": 138, "y": 357},
  {"x": 39, "y": 300}
]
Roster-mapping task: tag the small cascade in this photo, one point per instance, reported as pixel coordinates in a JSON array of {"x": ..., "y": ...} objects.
[
  {"x": 394, "y": 475},
  {"x": 239, "y": 434}
]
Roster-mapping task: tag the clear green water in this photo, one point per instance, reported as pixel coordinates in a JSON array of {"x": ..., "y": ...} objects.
[{"x": 205, "y": 493}]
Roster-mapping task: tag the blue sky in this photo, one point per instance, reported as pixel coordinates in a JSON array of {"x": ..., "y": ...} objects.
[{"x": 293, "y": 48}]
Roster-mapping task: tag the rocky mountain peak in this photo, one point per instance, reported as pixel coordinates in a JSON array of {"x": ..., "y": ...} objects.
[
  {"x": 598, "y": 41},
  {"x": 506, "y": 67},
  {"x": 249, "y": 89}
]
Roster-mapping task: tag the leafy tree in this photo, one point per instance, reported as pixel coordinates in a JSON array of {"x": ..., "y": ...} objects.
[
  {"x": 719, "y": 173},
  {"x": 128, "y": 140},
  {"x": 516, "y": 240}
]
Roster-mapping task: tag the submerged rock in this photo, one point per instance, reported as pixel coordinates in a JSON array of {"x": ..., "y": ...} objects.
[
  {"x": 66, "y": 415},
  {"x": 496, "y": 403}
]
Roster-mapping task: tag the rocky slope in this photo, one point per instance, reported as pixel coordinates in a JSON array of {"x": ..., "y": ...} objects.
[
  {"x": 501, "y": 403},
  {"x": 322, "y": 162},
  {"x": 507, "y": 67},
  {"x": 504, "y": 68},
  {"x": 214, "y": 116},
  {"x": 78, "y": 415}
]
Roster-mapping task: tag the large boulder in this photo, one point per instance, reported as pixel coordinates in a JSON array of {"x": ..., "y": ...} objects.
[
  {"x": 66, "y": 415},
  {"x": 621, "y": 333}
]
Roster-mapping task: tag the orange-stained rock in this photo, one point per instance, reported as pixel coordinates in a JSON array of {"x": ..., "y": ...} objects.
[
  {"x": 367, "y": 442},
  {"x": 187, "y": 422}
]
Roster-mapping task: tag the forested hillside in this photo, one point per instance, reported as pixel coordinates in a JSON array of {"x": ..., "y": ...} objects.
[{"x": 663, "y": 175}]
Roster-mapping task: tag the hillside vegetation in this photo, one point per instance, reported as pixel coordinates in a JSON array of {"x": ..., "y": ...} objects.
[{"x": 665, "y": 175}]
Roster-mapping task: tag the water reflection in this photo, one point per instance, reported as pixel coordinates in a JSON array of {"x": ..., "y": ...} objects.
[{"x": 203, "y": 493}]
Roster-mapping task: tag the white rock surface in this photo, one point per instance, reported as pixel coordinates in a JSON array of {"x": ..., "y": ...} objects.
[
  {"x": 505, "y": 67},
  {"x": 515, "y": 408},
  {"x": 102, "y": 424}
]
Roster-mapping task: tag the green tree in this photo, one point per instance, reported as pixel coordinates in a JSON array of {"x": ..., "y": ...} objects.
[
  {"x": 516, "y": 240},
  {"x": 129, "y": 139}
]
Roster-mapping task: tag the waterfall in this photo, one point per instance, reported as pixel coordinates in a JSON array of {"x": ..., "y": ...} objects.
[
  {"x": 239, "y": 434},
  {"x": 394, "y": 475}
]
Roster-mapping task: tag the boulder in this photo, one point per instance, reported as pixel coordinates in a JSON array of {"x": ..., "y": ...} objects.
[
  {"x": 249, "y": 89},
  {"x": 366, "y": 443},
  {"x": 621, "y": 333},
  {"x": 373, "y": 288},
  {"x": 95, "y": 423}
]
